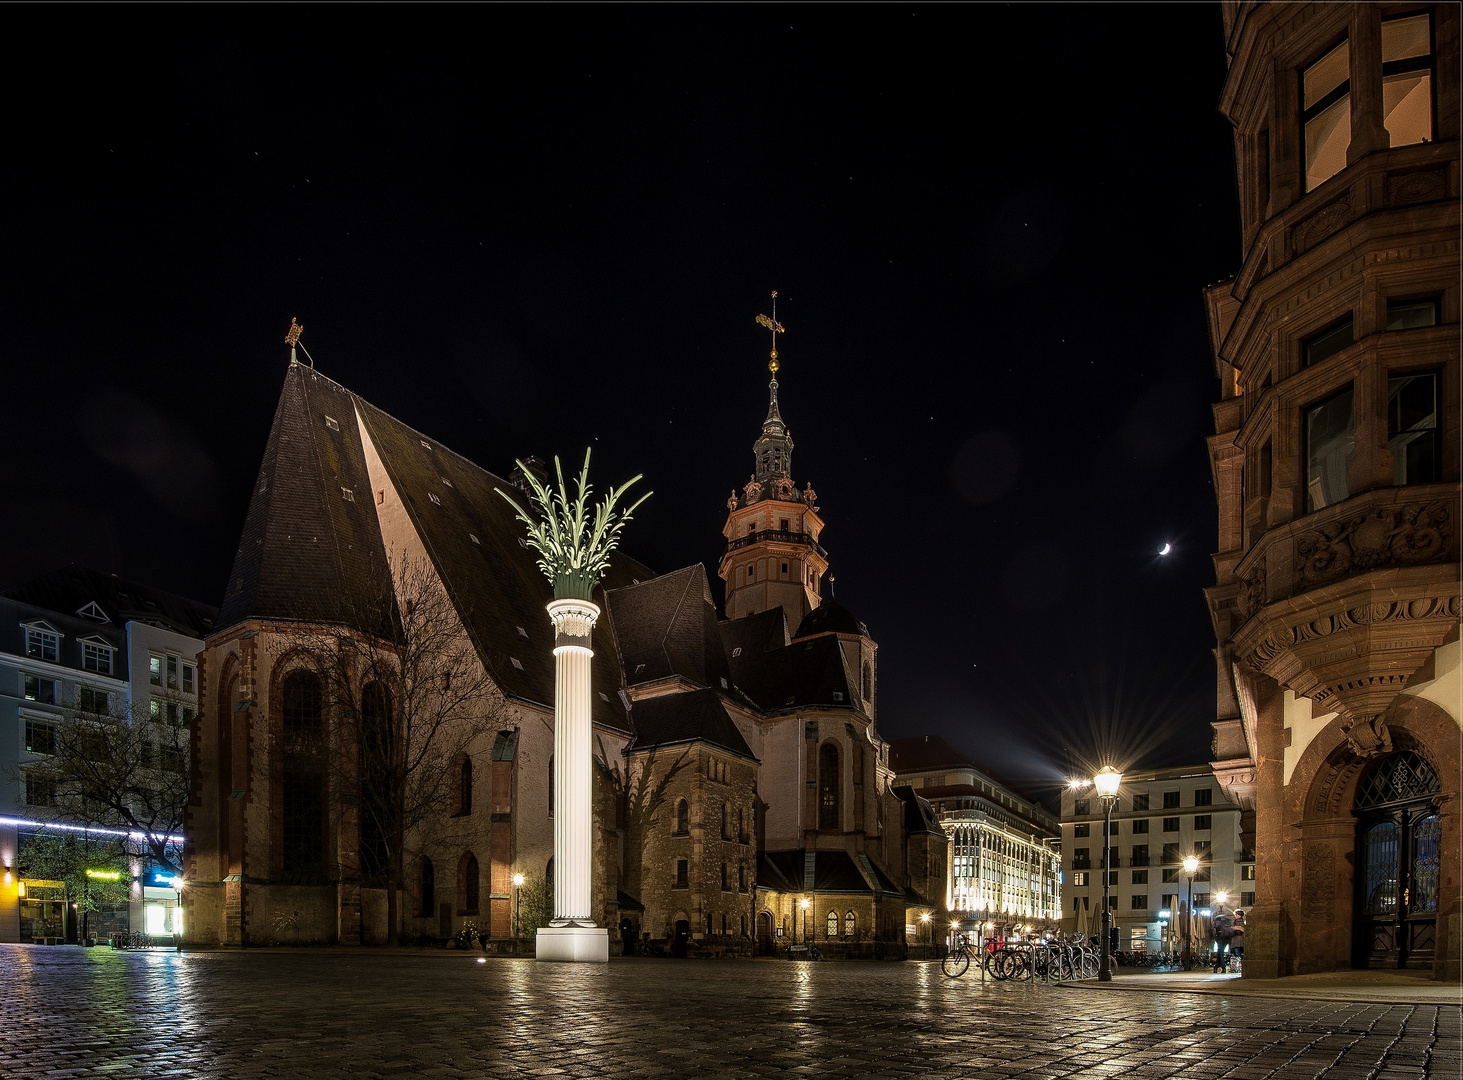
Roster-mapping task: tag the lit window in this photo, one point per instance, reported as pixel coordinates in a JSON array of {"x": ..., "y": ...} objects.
[
  {"x": 42, "y": 691},
  {"x": 155, "y": 670},
  {"x": 96, "y": 658},
  {"x": 1407, "y": 82},
  {"x": 155, "y": 709},
  {"x": 1079, "y": 877},
  {"x": 40, "y": 643},
  {"x": 1328, "y": 342},
  {"x": 1328, "y": 450},
  {"x": 1326, "y": 114}
]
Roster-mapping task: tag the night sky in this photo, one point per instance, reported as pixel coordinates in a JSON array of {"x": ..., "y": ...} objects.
[{"x": 522, "y": 230}]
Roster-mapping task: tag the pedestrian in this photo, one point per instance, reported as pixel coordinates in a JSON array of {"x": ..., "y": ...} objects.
[
  {"x": 1237, "y": 944},
  {"x": 1223, "y": 936}
]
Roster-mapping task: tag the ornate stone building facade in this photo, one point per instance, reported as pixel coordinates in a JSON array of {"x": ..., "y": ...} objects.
[
  {"x": 1336, "y": 469},
  {"x": 742, "y": 791}
]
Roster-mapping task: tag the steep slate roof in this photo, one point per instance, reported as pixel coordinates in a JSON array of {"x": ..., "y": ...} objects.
[
  {"x": 72, "y": 628},
  {"x": 804, "y": 673},
  {"x": 919, "y": 815},
  {"x": 667, "y": 626},
  {"x": 306, "y": 553},
  {"x": 73, "y": 587},
  {"x": 830, "y": 617},
  {"x": 833, "y": 872},
  {"x": 309, "y": 554},
  {"x": 672, "y": 719},
  {"x": 758, "y": 632}
]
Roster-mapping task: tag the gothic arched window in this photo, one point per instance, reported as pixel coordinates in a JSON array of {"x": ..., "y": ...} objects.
[
  {"x": 683, "y": 818},
  {"x": 467, "y": 885},
  {"x": 302, "y": 787},
  {"x": 828, "y": 784},
  {"x": 850, "y": 924},
  {"x": 426, "y": 888},
  {"x": 832, "y": 925},
  {"x": 464, "y": 786}
]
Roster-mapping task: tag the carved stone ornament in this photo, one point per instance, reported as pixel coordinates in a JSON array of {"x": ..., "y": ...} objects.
[
  {"x": 786, "y": 490},
  {"x": 753, "y": 490},
  {"x": 731, "y": 504},
  {"x": 1422, "y": 186},
  {"x": 1367, "y": 736},
  {"x": 1252, "y": 592},
  {"x": 1322, "y": 223},
  {"x": 1372, "y": 614},
  {"x": 1382, "y": 536},
  {"x": 810, "y": 497}
]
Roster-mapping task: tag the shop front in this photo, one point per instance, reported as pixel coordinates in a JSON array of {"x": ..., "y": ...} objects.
[{"x": 45, "y": 915}]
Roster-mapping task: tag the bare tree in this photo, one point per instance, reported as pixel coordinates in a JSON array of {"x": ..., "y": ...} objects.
[
  {"x": 645, "y": 797},
  {"x": 409, "y": 704},
  {"x": 115, "y": 768}
]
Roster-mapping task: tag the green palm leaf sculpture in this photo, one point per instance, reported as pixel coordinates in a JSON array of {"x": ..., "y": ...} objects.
[{"x": 573, "y": 550}]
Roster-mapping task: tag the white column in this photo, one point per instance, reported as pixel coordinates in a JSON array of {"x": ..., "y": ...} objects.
[{"x": 573, "y": 935}]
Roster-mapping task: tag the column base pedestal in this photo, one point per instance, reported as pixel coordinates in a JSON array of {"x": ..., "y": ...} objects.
[{"x": 573, "y": 944}]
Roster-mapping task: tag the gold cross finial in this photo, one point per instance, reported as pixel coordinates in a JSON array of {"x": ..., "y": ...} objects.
[
  {"x": 294, "y": 333},
  {"x": 776, "y": 328}
]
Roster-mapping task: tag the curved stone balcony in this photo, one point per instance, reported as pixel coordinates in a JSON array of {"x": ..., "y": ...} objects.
[{"x": 1344, "y": 605}]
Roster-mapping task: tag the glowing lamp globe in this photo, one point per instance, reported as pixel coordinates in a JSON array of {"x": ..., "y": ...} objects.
[
  {"x": 518, "y": 880},
  {"x": 1107, "y": 781},
  {"x": 1221, "y": 898},
  {"x": 1191, "y": 865}
]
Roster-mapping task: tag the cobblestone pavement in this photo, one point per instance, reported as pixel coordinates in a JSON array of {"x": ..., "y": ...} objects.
[{"x": 335, "y": 1013}]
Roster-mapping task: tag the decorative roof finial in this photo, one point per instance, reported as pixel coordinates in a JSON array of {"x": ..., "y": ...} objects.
[
  {"x": 292, "y": 337},
  {"x": 776, "y": 328}
]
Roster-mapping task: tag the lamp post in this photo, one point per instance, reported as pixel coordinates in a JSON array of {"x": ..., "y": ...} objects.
[
  {"x": 804, "y": 903},
  {"x": 1191, "y": 867},
  {"x": 517, "y": 895},
  {"x": 1107, "y": 781}
]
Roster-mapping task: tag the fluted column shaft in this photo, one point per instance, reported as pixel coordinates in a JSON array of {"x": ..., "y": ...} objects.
[{"x": 573, "y": 762}]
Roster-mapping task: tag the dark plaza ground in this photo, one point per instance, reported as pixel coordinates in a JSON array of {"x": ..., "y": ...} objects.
[{"x": 66, "y": 1011}]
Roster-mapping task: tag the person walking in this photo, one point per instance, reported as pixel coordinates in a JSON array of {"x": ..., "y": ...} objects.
[{"x": 1223, "y": 936}]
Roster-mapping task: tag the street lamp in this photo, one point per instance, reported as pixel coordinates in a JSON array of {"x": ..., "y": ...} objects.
[
  {"x": 517, "y": 895},
  {"x": 804, "y": 903},
  {"x": 1107, "y": 781},
  {"x": 1191, "y": 867}
]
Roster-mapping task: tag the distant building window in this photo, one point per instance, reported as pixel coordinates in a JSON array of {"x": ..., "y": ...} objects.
[
  {"x": 683, "y": 874},
  {"x": 1247, "y": 873},
  {"x": 1328, "y": 342},
  {"x": 683, "y": 818},
  {"x": 1247, "y": 899},
  {"x": 1171, "y": 853},
  {"x": 1081, "y": 856},
  {"x": 1170, "y": 799},
  {"x": 40, "y": 738},
  {"x": 1140, "y": 853},
  {"x": 1170, "y": 824},
  {"x": 188, "y": 678},
  {"x": 1079, "y": 877},
  {"x": 96, "y": 657},
  {"x": 172, "y": 673},
  {"x": 1201, "y": 848},
  {"x": 42, "y": 691},
  {"x": 40, "y": 643},
  {"x": 1412, "y": 428},
  {"x": 1141, "y": 825},
  {"x": 1328, "y": 435},
  {"x": 1201, "y": 899},
  {"x": 1140, "y": 877},
  {"x": 1407, "y": 83},
  {"x": 1412, "y": 314},
  {"x": 1082, "y": 806},
  {"x": 783, "y": 525},
  {"x": 725, "y": 879},
  {"x": 93, "y": 701},
  {"x": 1204, "y": 797},
  {"x": 1326, "y": 114},
  {"x": 1140, "y": 902},
  {"x": 39, "y": 790},
  {"x": 1170, "y": 874},
  {"x": 1202, "y": 822},
  {"x": 1081, "y": 830},
  {"x": 155, "y": 670},
  {"x": 1140, "y": 802}
]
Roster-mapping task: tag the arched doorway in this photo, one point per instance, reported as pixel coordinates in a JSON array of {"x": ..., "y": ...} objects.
[
  {"x": 764, "y": 933},
  {"x": 1397, "y": 862}
]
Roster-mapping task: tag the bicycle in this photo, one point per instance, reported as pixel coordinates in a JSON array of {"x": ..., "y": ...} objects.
[{"x": 957, "y": 962}]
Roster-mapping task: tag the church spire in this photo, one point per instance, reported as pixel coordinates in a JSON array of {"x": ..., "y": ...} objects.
[{"x": 773, "y": 450}]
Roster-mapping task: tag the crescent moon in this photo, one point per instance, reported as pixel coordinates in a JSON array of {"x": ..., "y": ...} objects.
[{"x": 1165, "y": 549}]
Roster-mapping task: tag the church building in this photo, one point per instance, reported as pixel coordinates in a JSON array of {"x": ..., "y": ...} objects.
[{"x": 742, "y": 791}]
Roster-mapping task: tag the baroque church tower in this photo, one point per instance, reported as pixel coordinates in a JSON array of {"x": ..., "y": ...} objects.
[{"x": 772, "y": 557}]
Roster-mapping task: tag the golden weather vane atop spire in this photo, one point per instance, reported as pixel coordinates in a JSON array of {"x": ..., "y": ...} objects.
[
  {"x": 292, "y": 338},
  {"x": 776, "y": 328}
]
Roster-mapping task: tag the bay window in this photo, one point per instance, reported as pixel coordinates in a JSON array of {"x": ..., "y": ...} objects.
[{"x": 1329, "y": 441}]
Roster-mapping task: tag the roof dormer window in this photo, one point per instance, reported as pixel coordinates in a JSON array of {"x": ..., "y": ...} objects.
[
  {"x": 96, "y": 655},
  {"x": 93, "y": 612},
  {"x": 42, "y": 641}
]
